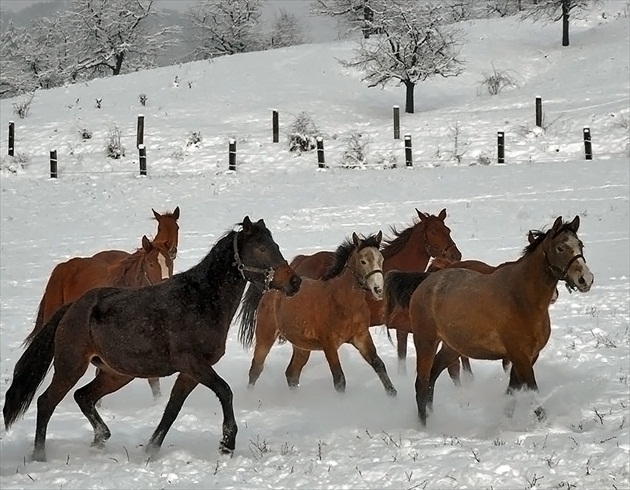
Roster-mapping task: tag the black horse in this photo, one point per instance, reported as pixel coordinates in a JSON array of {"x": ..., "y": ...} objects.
[{"x": 178, "y": 326}]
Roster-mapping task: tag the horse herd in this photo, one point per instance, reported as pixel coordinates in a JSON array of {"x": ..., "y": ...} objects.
[{"x": 127, "y": 314}]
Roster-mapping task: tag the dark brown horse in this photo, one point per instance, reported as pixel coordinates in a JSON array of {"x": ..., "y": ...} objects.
[
  {"x": 408, "y": 250},
  {"x": 502, "y": 315},
  {"x": 325, "y": 314},
  {"x": 69, "y": 280},
  {"x": 176, "y": 326},
  {"x": 167, "y": 236}
]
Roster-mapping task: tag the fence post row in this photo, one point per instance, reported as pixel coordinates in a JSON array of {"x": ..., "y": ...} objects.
[
  {"x": 11, "y": 138},
  {"x": 396, "y": 122},
  {"x": 275, "y": 126},
  {"x": 539, "y": 113},
  {"x": 143, "y": 159},
  {"x": 500, "y": 147},
  {"x": 588, "y": 149},
  {"x": 232, "y": 155},
  {"x": 408, "y": 153},
  {"x": 53, "y": 164}
]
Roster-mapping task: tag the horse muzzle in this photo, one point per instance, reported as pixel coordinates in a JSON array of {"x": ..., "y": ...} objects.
[{"x": 286, "y": 280}]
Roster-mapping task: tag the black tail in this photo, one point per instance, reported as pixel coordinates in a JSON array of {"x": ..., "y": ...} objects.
[
  {"x": 247, "y": 315},
  {"x": 31, "y": 369},
  {"x": 38, "y": 324},
  {"x": 398, "y": 288}
]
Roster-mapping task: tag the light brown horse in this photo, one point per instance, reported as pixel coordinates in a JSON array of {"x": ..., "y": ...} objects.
[
  {"x": 69, "y": 280},
  {"x": 502, "y": 315},
  {"x": 408, "y": 250},
  {"x": 323, "y": 315},
  {"x": 167, "y": 236}
]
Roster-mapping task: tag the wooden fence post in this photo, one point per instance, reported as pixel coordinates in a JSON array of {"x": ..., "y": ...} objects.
[
  {"x": 321, "y": 162},
  {"x": 143, "y": 159},
  {"x": 588, "y": 149},
  {"x": 140, "y": 133},
  {"x": 501, "y": 147},
  {"x": 232, "y": 155},
  {"x": 539, "y": 113},
  {"x": 275, "y": 126},
  {"x": 408, "y": 153},
  {"x": 11, "y": 138},
  {"x": 53, "y": 164},
  {"x": 396, "y": 122}
]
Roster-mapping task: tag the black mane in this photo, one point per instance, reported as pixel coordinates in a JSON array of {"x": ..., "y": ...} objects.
[
  {"x": 391, "y": 246},
  {"x": 540, "y": 235}
]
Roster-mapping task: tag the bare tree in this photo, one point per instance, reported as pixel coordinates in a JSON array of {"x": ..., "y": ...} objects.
[
  {"x": 351, "y": 15},
  {"x": 413, "y": 45},
  {"x": 286, "y": 30},
  {"x": 555, "y": 10},
  {"x": 112, "y": 36},
  {"x": 221, "y": 27}
]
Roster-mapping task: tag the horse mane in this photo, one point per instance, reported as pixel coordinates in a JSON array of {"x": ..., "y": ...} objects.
[
  {"x": 342, "y": 254},
  {"x": 126, "y": 265},
  {"x": 540, "y": 235},
  {"x": 391, "y": 246}
]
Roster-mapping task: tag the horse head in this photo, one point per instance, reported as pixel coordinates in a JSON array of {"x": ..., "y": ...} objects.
[
  {"x": 366, "y": 263},
  {"x": 437, "y": 237}
]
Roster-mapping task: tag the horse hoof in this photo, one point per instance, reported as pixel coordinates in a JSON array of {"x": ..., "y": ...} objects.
[
  {"x": 226, "y": 451},
  {"x": 392, "y": 392}
]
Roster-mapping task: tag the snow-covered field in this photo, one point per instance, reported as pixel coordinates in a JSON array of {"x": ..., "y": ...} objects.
[{"x": 315, "y": 438}]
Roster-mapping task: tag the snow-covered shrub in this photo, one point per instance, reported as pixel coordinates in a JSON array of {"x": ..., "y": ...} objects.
[{"x": 303, "y": 133}]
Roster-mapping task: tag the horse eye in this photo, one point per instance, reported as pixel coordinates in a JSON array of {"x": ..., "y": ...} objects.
[
  {"x": 262, "y": 249},
  {"x": 559, "y": 248}
]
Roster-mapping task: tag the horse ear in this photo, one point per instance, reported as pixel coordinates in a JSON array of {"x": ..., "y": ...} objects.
[
  {"x": 146, "y": 244},
  {"x": 557, "y": 225},
  {"x": 156, "y": 214},
  {"x": 176, "y": 213},
  {"x": 379, "y": 237},
  {"x": 421, "y": 215},
  {"x": 262, "y": 223},
  {"x": 247, "y": 224},
  {"x": 355, "y": 239},
  {"x": 442, "y": 214},
  {"x": 530, "y": 237},
  {"x": 575, "y": 224}
]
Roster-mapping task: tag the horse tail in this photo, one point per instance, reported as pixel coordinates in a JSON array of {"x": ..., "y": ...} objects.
[
  {"x": 31, "y": 369},
  {"x": 247, "y": 315},
  {"x": 39, "y": 323},
  {"x": 398, "y": 288}
]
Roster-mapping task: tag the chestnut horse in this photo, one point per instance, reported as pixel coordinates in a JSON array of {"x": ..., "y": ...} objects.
[
  {"x": 167, "y": 236},
  {"x": 502, "y": 315},
  {"x": 150, "y": 264},
  {"x": 177, "y": 326},
  {"x": 325, "y": 314},
  {"x": 409, "y": 250}
]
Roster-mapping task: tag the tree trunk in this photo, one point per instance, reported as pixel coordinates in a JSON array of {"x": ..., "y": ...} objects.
[
  {"x": 565, "y": 22},
  {"x": 119, "y": 62},
  {"x": 409, "y": 104}
]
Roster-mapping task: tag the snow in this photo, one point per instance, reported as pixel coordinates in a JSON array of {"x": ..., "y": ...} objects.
[{"x": 315, "y": 438}]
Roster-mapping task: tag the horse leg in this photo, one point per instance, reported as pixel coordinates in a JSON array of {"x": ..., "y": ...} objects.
[
  {"x": 426, "y": 342},
  {"x": 365, "y": 345},
  {"x": 466, "y": 366},
  {"x": 522, "y": 376},
  {"x": 62, "y": 382},
  {"x": 181, "y": 389},
  {"x": 154, "y": 383},
  {"x": 332, "y": 356},
  {"x": 297, "y": 363},
  {"x": 401, "y": 347},
  {"x": 105, "y": 382},
  {"x": 216, "y": 383},
  {"x": 261, "y": 350},
  {"x": 444, "y": 359}
]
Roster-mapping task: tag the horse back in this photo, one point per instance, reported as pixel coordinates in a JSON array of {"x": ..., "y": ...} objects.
[
  {"x": 111, "y": 256},
  {"x": 313, "y": 266}
]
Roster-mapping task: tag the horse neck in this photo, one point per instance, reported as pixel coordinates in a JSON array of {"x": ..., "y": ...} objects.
[
  {"x": 128, "y": 272},
  {"x": 413, "y": 256},
  {"x": 347, "y": 279},
  {"x": 535, "y": 283},
  {"x": 216, "y": 275}
]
